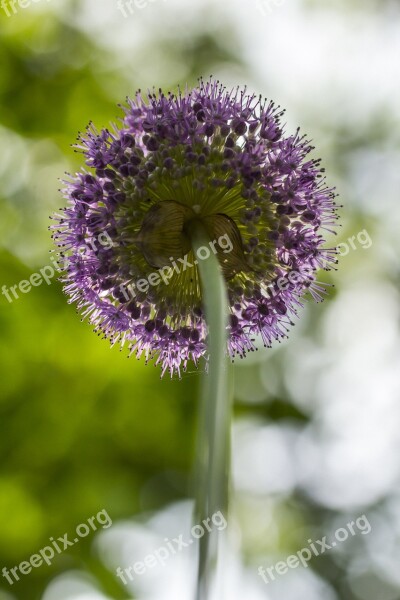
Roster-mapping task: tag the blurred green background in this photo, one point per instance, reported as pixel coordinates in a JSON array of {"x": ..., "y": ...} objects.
[{"x": 316, "y": 438}]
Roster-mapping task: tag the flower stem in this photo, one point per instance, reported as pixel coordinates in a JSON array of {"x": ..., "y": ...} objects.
[{"x": 215, "y": 410}]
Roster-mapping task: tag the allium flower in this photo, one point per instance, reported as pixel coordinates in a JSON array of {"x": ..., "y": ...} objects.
[{"x": 209, "y": 154}]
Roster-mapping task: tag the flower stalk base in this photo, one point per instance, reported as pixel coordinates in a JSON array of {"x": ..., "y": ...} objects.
[{"x": 215, "y": 411}]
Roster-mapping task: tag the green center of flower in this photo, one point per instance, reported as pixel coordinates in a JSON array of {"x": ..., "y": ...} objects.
[
  {"x": 165, "y": 236},
  {"x": 171, "y": 189}
]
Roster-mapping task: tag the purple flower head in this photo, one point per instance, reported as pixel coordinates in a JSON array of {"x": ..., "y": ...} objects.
[{"x": 208, "y": 154}]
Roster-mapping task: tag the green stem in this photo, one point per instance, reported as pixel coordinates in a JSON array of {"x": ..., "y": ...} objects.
[{"x": 215, "y": 409}]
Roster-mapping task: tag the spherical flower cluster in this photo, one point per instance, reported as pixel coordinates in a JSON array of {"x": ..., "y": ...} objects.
[{"x": 211, "y": 155}]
